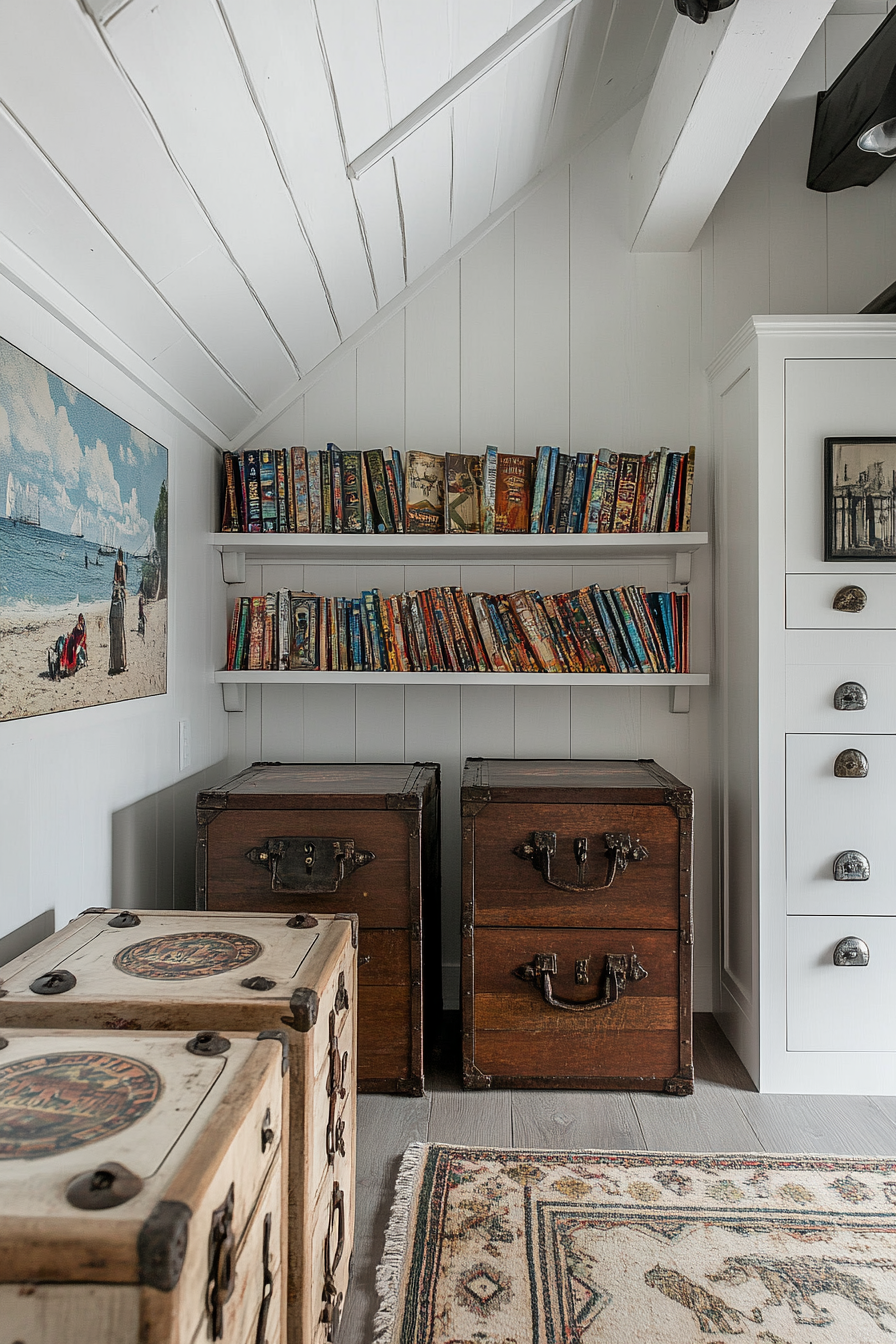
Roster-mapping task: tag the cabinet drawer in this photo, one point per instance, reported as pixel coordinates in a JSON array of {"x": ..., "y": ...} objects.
[
  {"x": 810, "y": 600},
  {"x": 833, "y": 1007},
  {"x": 827, "y": 815},
  {"x": 812, "y": 682}
]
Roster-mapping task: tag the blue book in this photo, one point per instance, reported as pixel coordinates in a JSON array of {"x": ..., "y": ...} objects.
[
  {"x": 615, "y": 631},
  {"x": 580, "y": 482},
  {"x": 642, "y": 659},
  {"x": 538, "y": 489},
  {"x": 355, "y": 636}
]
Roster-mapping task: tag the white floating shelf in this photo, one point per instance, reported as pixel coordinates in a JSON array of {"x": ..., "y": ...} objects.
[
  {"x": 471, "y": 678},
  {"x": 412, "y": 548}
]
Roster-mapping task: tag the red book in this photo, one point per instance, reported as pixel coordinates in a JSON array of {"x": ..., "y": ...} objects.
[{"x": 513, "y": 492}]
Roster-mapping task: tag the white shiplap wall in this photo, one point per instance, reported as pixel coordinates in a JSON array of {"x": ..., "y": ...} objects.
[
  {"x": 549, "y": 330},
  {"x": 94, "y": 809}
]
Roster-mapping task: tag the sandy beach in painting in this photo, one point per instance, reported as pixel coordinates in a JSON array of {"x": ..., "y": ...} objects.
[{"x": 25, "y": 637}]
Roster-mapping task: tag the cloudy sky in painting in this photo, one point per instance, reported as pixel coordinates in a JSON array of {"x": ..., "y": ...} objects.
[{"x": 77, "y": 453}]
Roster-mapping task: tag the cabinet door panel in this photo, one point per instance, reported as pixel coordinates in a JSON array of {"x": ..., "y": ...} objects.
[
  {"x": 834, "y": 1007},
  {"x": 827, "y": 815}
]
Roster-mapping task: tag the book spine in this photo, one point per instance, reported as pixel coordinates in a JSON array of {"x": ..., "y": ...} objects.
[
  {"x": 635, "y": 607},
  {"x": 443, "y": 627},
  {"x": 688, "y": 491},
  {"x": 315, "y": 504},
  {"x": 242, "y": 503},
  {"x": 253, "y": 490},
  {"x": 280, "y": 478},
  {"x": 398, "y": 635},
  {"x": 267, "y": 480},
  {"x": 366, "y": 501},
  {"x": 326, "y": 490},
  {"x": 503, "y": 632},
  {"x": 268, "y": 654},
  {"x": 233, "y": 635},
  {"x": 388, "y": 634},
  {"x": 585, "y": 602},
  {"x": 489, "y": 487},
  {"x": 538, "y": 490},
  {"x": 437, "y": 654},
  {"x": 518, "y": 646},
  {"x": 352, "y": 502},
  {"x": 487, "y": 638},
  {"x": 230, "y": 521},
  {"x": 376, "y": 464},
  {"x": 399, "y": 485},
  {"x": 560, "y": 473},
  {"x": 540, "y": 648},
  {"x": 580, "y": 482},
  {"x": 256, "y": 634},
  {"x": 626, "y": 492},
  {"x": 457, "y": 630},
  {"x": 241, "y": 660},
  {"x": 622, "y": 654},
  {"x": 669, "y": 492},
  {"x": 394, "y": 497},
  {"x": 300, "y": 489},
  {"x": 283, "y": 629},
  {"x": 559, "y": 638},
  {"x": 336, "y": 484}
]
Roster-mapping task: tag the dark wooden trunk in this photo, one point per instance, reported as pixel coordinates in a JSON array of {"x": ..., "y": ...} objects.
[
  {"x": 391, "y": 810},
  {"x": 516, "y": 922}
]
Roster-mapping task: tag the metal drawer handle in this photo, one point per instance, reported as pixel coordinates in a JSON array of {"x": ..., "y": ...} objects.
[
  {"x": 619, "y": 847},
  {"x": 851, "y": 866},
  {"x": 850, "y": 695},
  {"x": 618, "y": 969},
  {"x": 851, "y": 952},
  {"x": 335, "y": 1133},
  {"x": 851, "y": 764},
  {"x": 850, "y": 598},
  {"x": 311, "y": 864},
  {"x": 267, "y": 1280}
]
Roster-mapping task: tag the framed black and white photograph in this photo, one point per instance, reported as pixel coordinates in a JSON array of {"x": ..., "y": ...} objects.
[{"x": 860, "y": 499}]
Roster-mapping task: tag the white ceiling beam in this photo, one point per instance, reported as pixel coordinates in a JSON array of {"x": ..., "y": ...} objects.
[
  {"x": 548, "y": 12},
  {"x": 715, "y": 86}
]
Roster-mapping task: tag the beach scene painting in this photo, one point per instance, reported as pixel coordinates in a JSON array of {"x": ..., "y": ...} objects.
[{"x": 83, "y": 548}]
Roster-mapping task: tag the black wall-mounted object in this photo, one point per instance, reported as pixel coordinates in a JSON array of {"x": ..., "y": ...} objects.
[
  {"x": 700, "y": 10},
  {"x": 885, "y": 302},
  {"x": 861, "y": 97}
]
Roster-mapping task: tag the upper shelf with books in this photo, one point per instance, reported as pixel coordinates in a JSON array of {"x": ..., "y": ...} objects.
[{"x": 466, "y": 548}]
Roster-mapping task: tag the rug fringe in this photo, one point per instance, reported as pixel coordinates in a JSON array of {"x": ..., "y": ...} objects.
[{"x": 388, "y": 1274}]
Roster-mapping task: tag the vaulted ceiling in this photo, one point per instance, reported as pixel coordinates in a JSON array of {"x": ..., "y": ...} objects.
[{"x": 180, "y": 166}]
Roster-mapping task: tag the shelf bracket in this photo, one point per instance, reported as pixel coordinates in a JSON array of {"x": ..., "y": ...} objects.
[
  {"x": 682, "y": 567},
  {"x": 233, "y": 564},
  {"x": 234, "y": 696},
  {"x": 679, "y": 700}
]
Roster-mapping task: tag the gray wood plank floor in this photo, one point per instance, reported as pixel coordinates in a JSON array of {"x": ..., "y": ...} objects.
[{"x": 725, "y": 1114}]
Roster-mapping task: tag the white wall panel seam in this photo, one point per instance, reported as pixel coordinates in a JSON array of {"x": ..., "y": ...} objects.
[
  {"x": 144, "y": 106},
  {"x": 79, "y": 200},
  {"x": 253, "y": 94}
]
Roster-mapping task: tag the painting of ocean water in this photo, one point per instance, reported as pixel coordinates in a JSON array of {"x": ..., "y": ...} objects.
[{"x": 83, "y": 548}]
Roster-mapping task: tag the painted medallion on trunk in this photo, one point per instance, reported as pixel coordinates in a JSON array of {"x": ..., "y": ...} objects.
[
  {"x": 52, "y": 1103},
  {"x": 187, "y": 956}
]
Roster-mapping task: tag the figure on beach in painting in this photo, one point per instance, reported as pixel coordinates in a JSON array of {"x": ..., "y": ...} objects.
[
  {"x": 69, "y": 654},
  {"x": 118, "y": 657}
]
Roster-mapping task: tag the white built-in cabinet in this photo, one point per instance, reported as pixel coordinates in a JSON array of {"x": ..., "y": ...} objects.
[{"x": 800, "y": 1022}]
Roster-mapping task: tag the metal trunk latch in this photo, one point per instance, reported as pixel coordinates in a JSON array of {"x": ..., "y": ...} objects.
[
  {"x": 619, "y": 846},
  {"x": 332, "y": 1298},
  {"x": 618, "y": 970},
  {"x": 221, "y": 1279},
  {"x": 851, "y": 952},
  {"x": 311, "y": 864}
]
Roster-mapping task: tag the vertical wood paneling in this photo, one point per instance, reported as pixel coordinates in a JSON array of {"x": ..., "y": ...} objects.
[
  {"x": 329, "y": 712},
  {"x": 798, "y": 216},
  {"x": 541, "y": 722},
  {"x": 432, "y": 376},
  {"x": 741, "y": 241},
  {"x": 486, "y": 342},
  {"x": 381, "y": 387},
  {"x": 288, "y": 428},
  {"x": 541, "y": 319},
  {"x": 487, "y": 721},
  {"x": 432, "y": 733},
  {"x": 282, "y": 723},
  {"x": 379, "y": 723},
  {"x": 605, "y": 722},
  {"x": 331, "y": 407},
  {"x": 476, "y": 133},
  {"x": 424, "y": 169}
]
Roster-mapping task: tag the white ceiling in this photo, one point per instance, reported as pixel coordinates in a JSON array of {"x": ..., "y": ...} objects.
[{"x": 179, "y": 166}]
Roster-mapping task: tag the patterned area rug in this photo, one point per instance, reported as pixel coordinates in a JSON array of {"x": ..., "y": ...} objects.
[{"x": 518, "y": 1247}]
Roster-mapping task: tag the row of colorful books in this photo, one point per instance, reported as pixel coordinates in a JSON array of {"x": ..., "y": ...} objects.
[
  {"x": 448, "y": 630},
  {"x": 305, "y": 490}
]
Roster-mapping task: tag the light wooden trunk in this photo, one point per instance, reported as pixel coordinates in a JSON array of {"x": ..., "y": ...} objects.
[
  {"x": 202, "y": 1132},
  {"x": 199, "y": 983}
]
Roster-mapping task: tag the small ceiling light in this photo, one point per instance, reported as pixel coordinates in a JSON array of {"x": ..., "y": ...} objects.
[
  {"x": 700, "y": 10},
  {"x": 881, "y": 139}
]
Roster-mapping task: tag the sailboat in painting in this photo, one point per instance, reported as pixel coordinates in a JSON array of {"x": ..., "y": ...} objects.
[
  {"x": 78, "y": 523},
  {"x": 108, "y": 546},
  {"x": 22, "y": 502}
]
